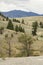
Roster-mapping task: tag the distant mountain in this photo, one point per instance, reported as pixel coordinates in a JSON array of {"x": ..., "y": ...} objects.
[{"x": 19, "y": 13}]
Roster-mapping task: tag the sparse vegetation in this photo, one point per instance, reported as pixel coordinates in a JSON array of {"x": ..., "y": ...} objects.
[{"x": 20, "y": 48}]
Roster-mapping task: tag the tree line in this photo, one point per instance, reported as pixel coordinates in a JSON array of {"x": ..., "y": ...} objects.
[{"x": 17, "y": 28}]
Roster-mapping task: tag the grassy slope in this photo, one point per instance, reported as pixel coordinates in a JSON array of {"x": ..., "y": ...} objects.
[{"x": 27, "y": 26}]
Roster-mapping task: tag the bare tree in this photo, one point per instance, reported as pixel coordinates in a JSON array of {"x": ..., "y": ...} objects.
[
  {"x": 27, "y": 41},
  {"x": 8, "y": 39},
  {"x": 1, "y": 48}
]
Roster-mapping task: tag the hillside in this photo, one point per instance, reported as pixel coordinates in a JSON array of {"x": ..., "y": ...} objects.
[
  {"x": 15, "y": 44},
  {"x": 19, "y": 13},
  {"x": 2, "y": 17}
]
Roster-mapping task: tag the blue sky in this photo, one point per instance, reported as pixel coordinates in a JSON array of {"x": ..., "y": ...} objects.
[{"x": 25, "y": 5}]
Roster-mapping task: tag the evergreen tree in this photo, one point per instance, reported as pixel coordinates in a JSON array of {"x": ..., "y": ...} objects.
[
  {"x": 34, "y": 27},
  {"x": 14, "y": 20},
  {"x": 22, "y": 21},
  {"x": 20, "y": 28},
  {"x": 16, "y": 28},
  {"x": 7, "y": 18},
  {"x": 10, "y": 25},
  {"x": 41, "y": 24}
]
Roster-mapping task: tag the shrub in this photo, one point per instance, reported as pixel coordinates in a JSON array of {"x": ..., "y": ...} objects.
[
  {"x": 41, "y": 24},
  {"x": 11, "y": 35},
  {"x": 22, "y": 21},
  {"x": 3, "y": 19},
  {"x": 36, "y": 54},
  {"x": 1, "y": 30},
  {"x": 6, "y": 35}
]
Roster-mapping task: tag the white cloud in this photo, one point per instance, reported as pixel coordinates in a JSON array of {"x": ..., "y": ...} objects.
[
  {"x": 6, "y": 7},
  {"x": 26, "y": 5}
]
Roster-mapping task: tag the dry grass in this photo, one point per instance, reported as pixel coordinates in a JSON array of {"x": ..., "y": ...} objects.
[{"x": 28, "y": 28}]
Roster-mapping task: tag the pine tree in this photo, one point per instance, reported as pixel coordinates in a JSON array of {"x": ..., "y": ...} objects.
[
  {"x": 20, "y": 28},
  {"x": 16, "y": 28},
  {"x": 7, "y": 18},
  {"x": 34, "y": 27},
  {"x": 22, "y": 21},
  {"x": 10, "y": 25}
]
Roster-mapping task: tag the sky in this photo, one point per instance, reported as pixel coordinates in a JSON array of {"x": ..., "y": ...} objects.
[{"x": 25, "y": 5}]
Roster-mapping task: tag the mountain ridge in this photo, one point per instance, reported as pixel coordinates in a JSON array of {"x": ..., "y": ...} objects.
[{"x": 19, "y": 13}]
